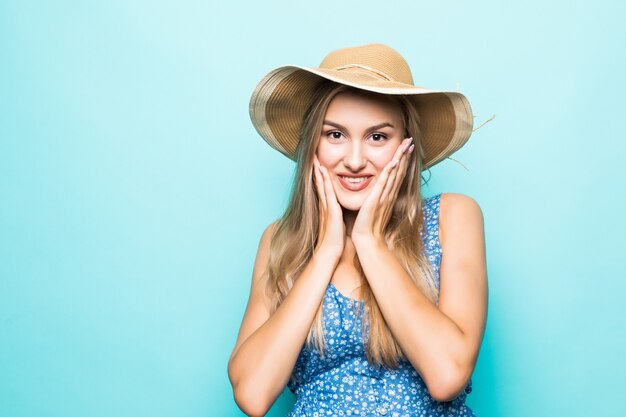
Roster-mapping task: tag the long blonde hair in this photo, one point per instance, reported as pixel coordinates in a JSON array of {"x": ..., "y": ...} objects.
[{"x": 296, "y": 233}]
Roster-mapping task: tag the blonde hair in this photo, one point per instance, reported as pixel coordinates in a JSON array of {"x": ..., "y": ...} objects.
[{"x": 295, "y": 235}]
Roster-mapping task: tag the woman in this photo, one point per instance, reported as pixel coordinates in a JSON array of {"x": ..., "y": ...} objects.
[{"x": 366, "y": 298}]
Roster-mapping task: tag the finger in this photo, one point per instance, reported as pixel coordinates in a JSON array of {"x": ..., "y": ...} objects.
[
  {"x": 321, "y": 200},
  {"x": 394, "y": 167},
  {"x": 319, "y": 184},
  {"x": 331, "y": 198},
  {"x": 374, "y": 197},
  {"x": 390, "y": 192},
  {"x": 397, "y": 174}
]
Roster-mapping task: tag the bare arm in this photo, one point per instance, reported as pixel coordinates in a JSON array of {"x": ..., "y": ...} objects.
[
  {"x": 267, "y": 346},
  {"x": 442, "y": 343}
]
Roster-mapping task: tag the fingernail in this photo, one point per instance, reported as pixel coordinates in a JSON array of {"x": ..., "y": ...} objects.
[
  {"x": 406, "y": 147},
  {"x": 411, "y": 148},
  {"x": 395, "y": 164}
]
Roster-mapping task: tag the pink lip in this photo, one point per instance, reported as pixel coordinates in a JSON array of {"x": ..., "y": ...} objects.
[{"x": 355, "y": 187}]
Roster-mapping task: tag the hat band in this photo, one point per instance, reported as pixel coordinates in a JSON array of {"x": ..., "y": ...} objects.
[{"x": 365, "y": 67}]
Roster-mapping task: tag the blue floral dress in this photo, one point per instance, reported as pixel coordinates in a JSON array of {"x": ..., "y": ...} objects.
[{"x": 344, "y": 384}]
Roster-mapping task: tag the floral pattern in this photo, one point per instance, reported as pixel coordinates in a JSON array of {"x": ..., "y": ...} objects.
[{"x": 343, "y": 383}]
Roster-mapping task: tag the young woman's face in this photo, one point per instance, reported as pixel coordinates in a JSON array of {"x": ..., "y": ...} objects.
[{"x": 360, "y": 134}]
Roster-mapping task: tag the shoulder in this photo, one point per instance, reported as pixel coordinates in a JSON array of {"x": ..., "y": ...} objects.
[
  {"x": 259, "y": 273},
  {"x": 458, "y": 213},
  {"x": 265, "y": 241},
  {"x": 266, "y": 237},
  {"x": 458, "y": 202}
]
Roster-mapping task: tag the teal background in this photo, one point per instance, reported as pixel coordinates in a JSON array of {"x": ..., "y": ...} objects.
[{"x": 134, "y": 190}]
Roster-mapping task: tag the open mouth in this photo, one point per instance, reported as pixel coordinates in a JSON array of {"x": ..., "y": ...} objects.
[{"x": 355, "y": 183}]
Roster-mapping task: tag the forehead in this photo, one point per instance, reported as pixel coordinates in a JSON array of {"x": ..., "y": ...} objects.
[{"x": 348, "y": 104}]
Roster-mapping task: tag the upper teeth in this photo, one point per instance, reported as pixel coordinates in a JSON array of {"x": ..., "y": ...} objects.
[{"x": 354, "y": 179}]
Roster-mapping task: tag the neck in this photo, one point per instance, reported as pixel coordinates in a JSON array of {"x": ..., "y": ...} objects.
[{"x": 349, "y": 217}]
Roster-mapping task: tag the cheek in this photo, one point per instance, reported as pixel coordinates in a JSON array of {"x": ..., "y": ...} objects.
[
  {"x": 383, "y": 156},
  {"x": 328, "y": 155}
]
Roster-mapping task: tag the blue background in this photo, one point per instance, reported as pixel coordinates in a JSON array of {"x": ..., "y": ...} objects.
[{"x": 134, "y": 190}]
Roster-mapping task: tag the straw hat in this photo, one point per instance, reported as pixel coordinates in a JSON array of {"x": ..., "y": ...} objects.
[{"x": 281, "y": 98}]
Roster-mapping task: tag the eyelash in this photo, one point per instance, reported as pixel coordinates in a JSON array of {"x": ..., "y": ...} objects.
[{"x": 384, "y": 137}]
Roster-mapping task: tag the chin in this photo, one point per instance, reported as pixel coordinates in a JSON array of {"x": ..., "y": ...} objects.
[
  {"x": 352, "y": 204},
  {"x": 350, "y": 207},
  {"x": 353, "y": 201}
]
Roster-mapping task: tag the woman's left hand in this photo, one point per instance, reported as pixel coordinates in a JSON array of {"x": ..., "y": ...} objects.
[{"x": 378, "y": 206}]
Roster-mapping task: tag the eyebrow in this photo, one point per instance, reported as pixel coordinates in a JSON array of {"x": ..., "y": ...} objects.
[{"x": 375, "y": 127}]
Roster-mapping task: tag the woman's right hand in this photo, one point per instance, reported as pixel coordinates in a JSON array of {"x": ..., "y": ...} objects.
[{"x": 332, "y": 230}]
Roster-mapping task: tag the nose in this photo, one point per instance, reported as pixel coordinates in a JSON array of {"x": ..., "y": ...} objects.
[{"x": 355, "y": 158}]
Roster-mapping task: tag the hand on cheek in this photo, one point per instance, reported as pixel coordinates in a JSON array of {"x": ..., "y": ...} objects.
[
  {"x": 378, "y": 206},
  {"x": 331, "y": 233}
]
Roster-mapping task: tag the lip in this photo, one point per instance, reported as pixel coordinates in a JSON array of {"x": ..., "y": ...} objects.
[{"x": 354, "y": 187}]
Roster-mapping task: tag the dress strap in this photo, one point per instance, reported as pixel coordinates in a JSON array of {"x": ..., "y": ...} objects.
[
  {"x": 431, "y": 216},
  {"x": 431, "y": 238}
]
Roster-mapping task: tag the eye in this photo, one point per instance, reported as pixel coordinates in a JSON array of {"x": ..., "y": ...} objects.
[
  {"x": 378, "y": 137},
  {"x": 334, "y": 134}
]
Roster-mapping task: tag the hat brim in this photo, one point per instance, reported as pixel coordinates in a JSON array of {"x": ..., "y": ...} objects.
[{"x": 282, "y": 97}]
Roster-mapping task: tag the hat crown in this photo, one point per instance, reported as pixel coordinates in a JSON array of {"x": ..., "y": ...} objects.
[{"x": 376, "y": 59}]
